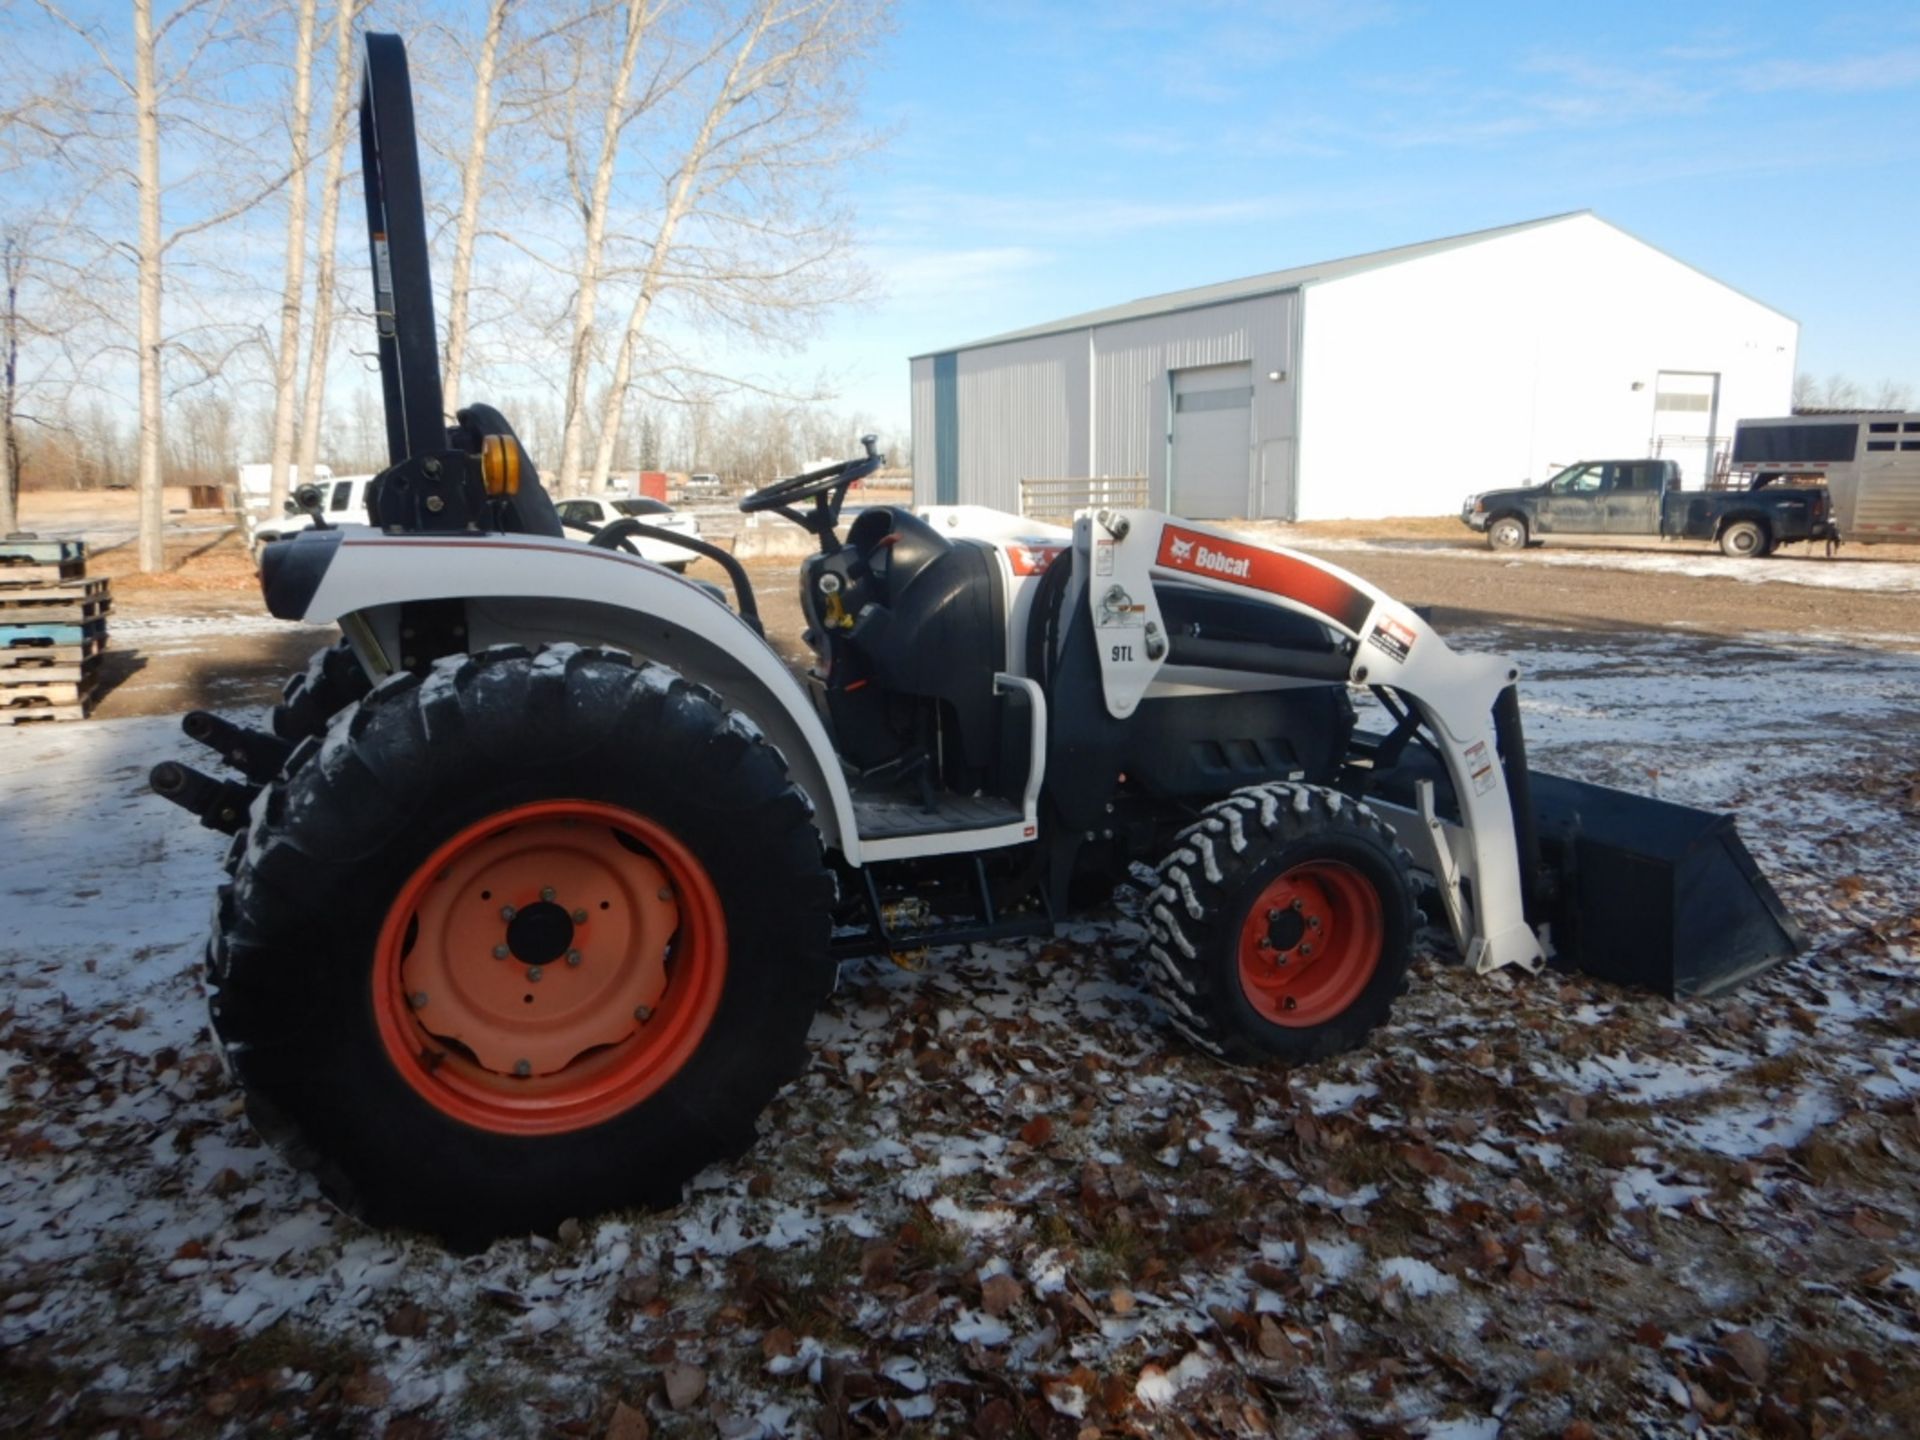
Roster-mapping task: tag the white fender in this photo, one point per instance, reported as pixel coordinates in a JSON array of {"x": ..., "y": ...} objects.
[{"x": 526, "y": 589}]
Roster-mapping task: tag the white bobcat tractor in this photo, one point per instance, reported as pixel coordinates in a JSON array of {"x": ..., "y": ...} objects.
[{"x": 540, "y": 873}]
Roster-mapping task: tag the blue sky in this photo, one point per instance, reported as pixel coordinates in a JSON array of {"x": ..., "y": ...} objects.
[{"x": 1042, "y": 159}]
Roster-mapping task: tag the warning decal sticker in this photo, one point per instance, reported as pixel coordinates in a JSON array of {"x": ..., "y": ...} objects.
[
  {"x": 1392, "y": 637},
  {"x": 1257, "y": 568},
  {"x": 1480, "y": 767}
]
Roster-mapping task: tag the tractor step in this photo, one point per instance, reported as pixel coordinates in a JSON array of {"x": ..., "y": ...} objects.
[{"x": 889, "y": 815}]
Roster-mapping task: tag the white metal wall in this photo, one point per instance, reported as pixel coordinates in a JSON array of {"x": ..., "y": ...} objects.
[{"x": 1493, "y": 364}]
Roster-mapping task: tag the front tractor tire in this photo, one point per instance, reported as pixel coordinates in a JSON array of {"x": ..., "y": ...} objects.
[
  {"x": 1282, "y": 926},
  {"x": 537, "y": 936},
  {"x": 1508, "y": 532}
]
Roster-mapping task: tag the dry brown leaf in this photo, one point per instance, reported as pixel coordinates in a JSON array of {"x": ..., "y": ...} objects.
[
  {"x": 408, "y": 1320},
  {"x": 1871, "y": 1227},
  {"x": 1037, "y": 1131},
  {"x": 628, "y": 1424},
  {"x": 999, "y": 1294},
  {"x": 684, "y": 1384},
  {"x": 1272, "y": 1340},
  {"x": 878, "y": 1262},
  {"x": 1749, "y": 1352},
  {"x": 1121, "y": 1301},
  {"x": 778, "y": 1342}
]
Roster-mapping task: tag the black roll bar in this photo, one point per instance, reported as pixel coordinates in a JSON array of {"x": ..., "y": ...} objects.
[{"x": 397, "y": 240}]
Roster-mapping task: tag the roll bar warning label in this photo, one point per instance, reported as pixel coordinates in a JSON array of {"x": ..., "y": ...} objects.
[{"x": 1392, "y": 637}]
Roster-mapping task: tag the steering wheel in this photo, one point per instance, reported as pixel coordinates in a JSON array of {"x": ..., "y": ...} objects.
[{"x": 827, "y": 487}]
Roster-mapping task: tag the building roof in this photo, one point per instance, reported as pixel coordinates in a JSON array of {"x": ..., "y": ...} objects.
[{"x": 1275, "y": 281}]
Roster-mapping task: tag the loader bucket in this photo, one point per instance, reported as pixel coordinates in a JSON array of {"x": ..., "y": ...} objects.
[{"x": 1654, "y": 894}]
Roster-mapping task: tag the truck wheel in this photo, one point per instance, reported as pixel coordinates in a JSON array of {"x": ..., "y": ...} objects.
[
  {"x": 1509, "y": 532},
  {"x": 536, "y": 937},
  {"x": 1282, "y": 927},
  {"x": 1745, "y": 540}
]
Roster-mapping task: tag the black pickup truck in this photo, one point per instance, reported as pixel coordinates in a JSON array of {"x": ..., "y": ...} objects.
[{"x": 1643, "y": 497}]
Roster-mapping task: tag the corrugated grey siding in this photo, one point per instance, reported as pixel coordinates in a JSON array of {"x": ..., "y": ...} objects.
[
  {"x": 1094, "y": 403},
  {"x": 921, "y": 371},
  {"x": 1131, "y": 362},
  {"x": 1023, "y": 414}
]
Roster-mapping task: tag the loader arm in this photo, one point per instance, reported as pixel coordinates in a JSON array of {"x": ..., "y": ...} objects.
[{"x": 1385, "y": 645}]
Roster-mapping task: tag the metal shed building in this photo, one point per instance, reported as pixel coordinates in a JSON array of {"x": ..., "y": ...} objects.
[{"x": 1391, "y": 383}]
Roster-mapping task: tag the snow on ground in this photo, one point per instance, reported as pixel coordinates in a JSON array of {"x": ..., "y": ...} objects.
[
  {"x": 188, "y": 631},
  {"x": 1005, "y": 1200},
  {"x": 1854, "y": 568}
]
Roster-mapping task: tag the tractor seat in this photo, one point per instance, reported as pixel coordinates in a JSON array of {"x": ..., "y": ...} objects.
[{"x": 932, "y": 620}]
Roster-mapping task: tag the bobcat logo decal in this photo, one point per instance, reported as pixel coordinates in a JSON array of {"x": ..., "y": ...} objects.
[{"x": 1182, "y": 549}]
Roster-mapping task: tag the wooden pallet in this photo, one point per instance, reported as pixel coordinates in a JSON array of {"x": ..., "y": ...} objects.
[
  {"x": 42, "y": 713},
  {"x": 27, "y": 694},
  {"x": 13, "y": 573},
  {"x": 76, "y": 672},
  {"x": 20, "y": 636},
  {"x": 39, "y": 657},
  {"x": 32, "y": 550},
  {"x": 69, "y": 600}
]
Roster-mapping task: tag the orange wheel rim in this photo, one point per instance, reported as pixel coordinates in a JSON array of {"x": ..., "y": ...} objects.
[
  {"x": 549, "y": 967},
  {"x": 1310, "y": 943}
]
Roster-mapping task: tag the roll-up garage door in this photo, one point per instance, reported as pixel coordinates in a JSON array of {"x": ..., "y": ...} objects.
[{"x": 1212, "y": 441}]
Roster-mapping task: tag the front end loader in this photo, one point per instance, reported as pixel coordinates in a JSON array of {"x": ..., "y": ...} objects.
[{"x": 540, "y": 872}]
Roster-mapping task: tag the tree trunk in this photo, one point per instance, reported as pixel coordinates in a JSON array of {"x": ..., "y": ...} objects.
[
  {"x": 286, "y": 362},
  {"x": 9, "y": 380},
  {"x": 614, "y": 405},
  {"x": 320, "y": 336},
  {"x": 153, "y": 540},
  {"x": 580, "y": 356},
  {"x": 471, "y": 176}
]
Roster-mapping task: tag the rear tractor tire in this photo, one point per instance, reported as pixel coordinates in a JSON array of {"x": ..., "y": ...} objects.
[
  {"x": 1745, "y": 540},
  {"x": 1282, "y": 927},
  {"x": 537, "y": 936},
  {"x": 332, "y": 681},
  {"x": 1509, "y": 532}
]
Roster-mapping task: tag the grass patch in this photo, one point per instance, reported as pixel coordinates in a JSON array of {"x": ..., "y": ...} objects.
[
  {"x": 1776, "y": 1071},
  {"x": 1609, "y": 1145},
  {"x": 1117, "y": 1251}
]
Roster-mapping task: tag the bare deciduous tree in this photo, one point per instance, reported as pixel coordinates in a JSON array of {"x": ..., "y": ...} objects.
[
  {"x": 592, "y": 202},
  {"x": 1841, "y": 392},
  {"x": 472, "y": 176},
  {"x": 178, "y": 61},
  {"x": 743, "y": 232},
  {"x": 286, "y": 359},
  {"x": 320, "y": 328}
]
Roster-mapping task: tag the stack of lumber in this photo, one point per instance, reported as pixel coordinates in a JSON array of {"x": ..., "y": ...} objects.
[{"x": 53, "y": 626}]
